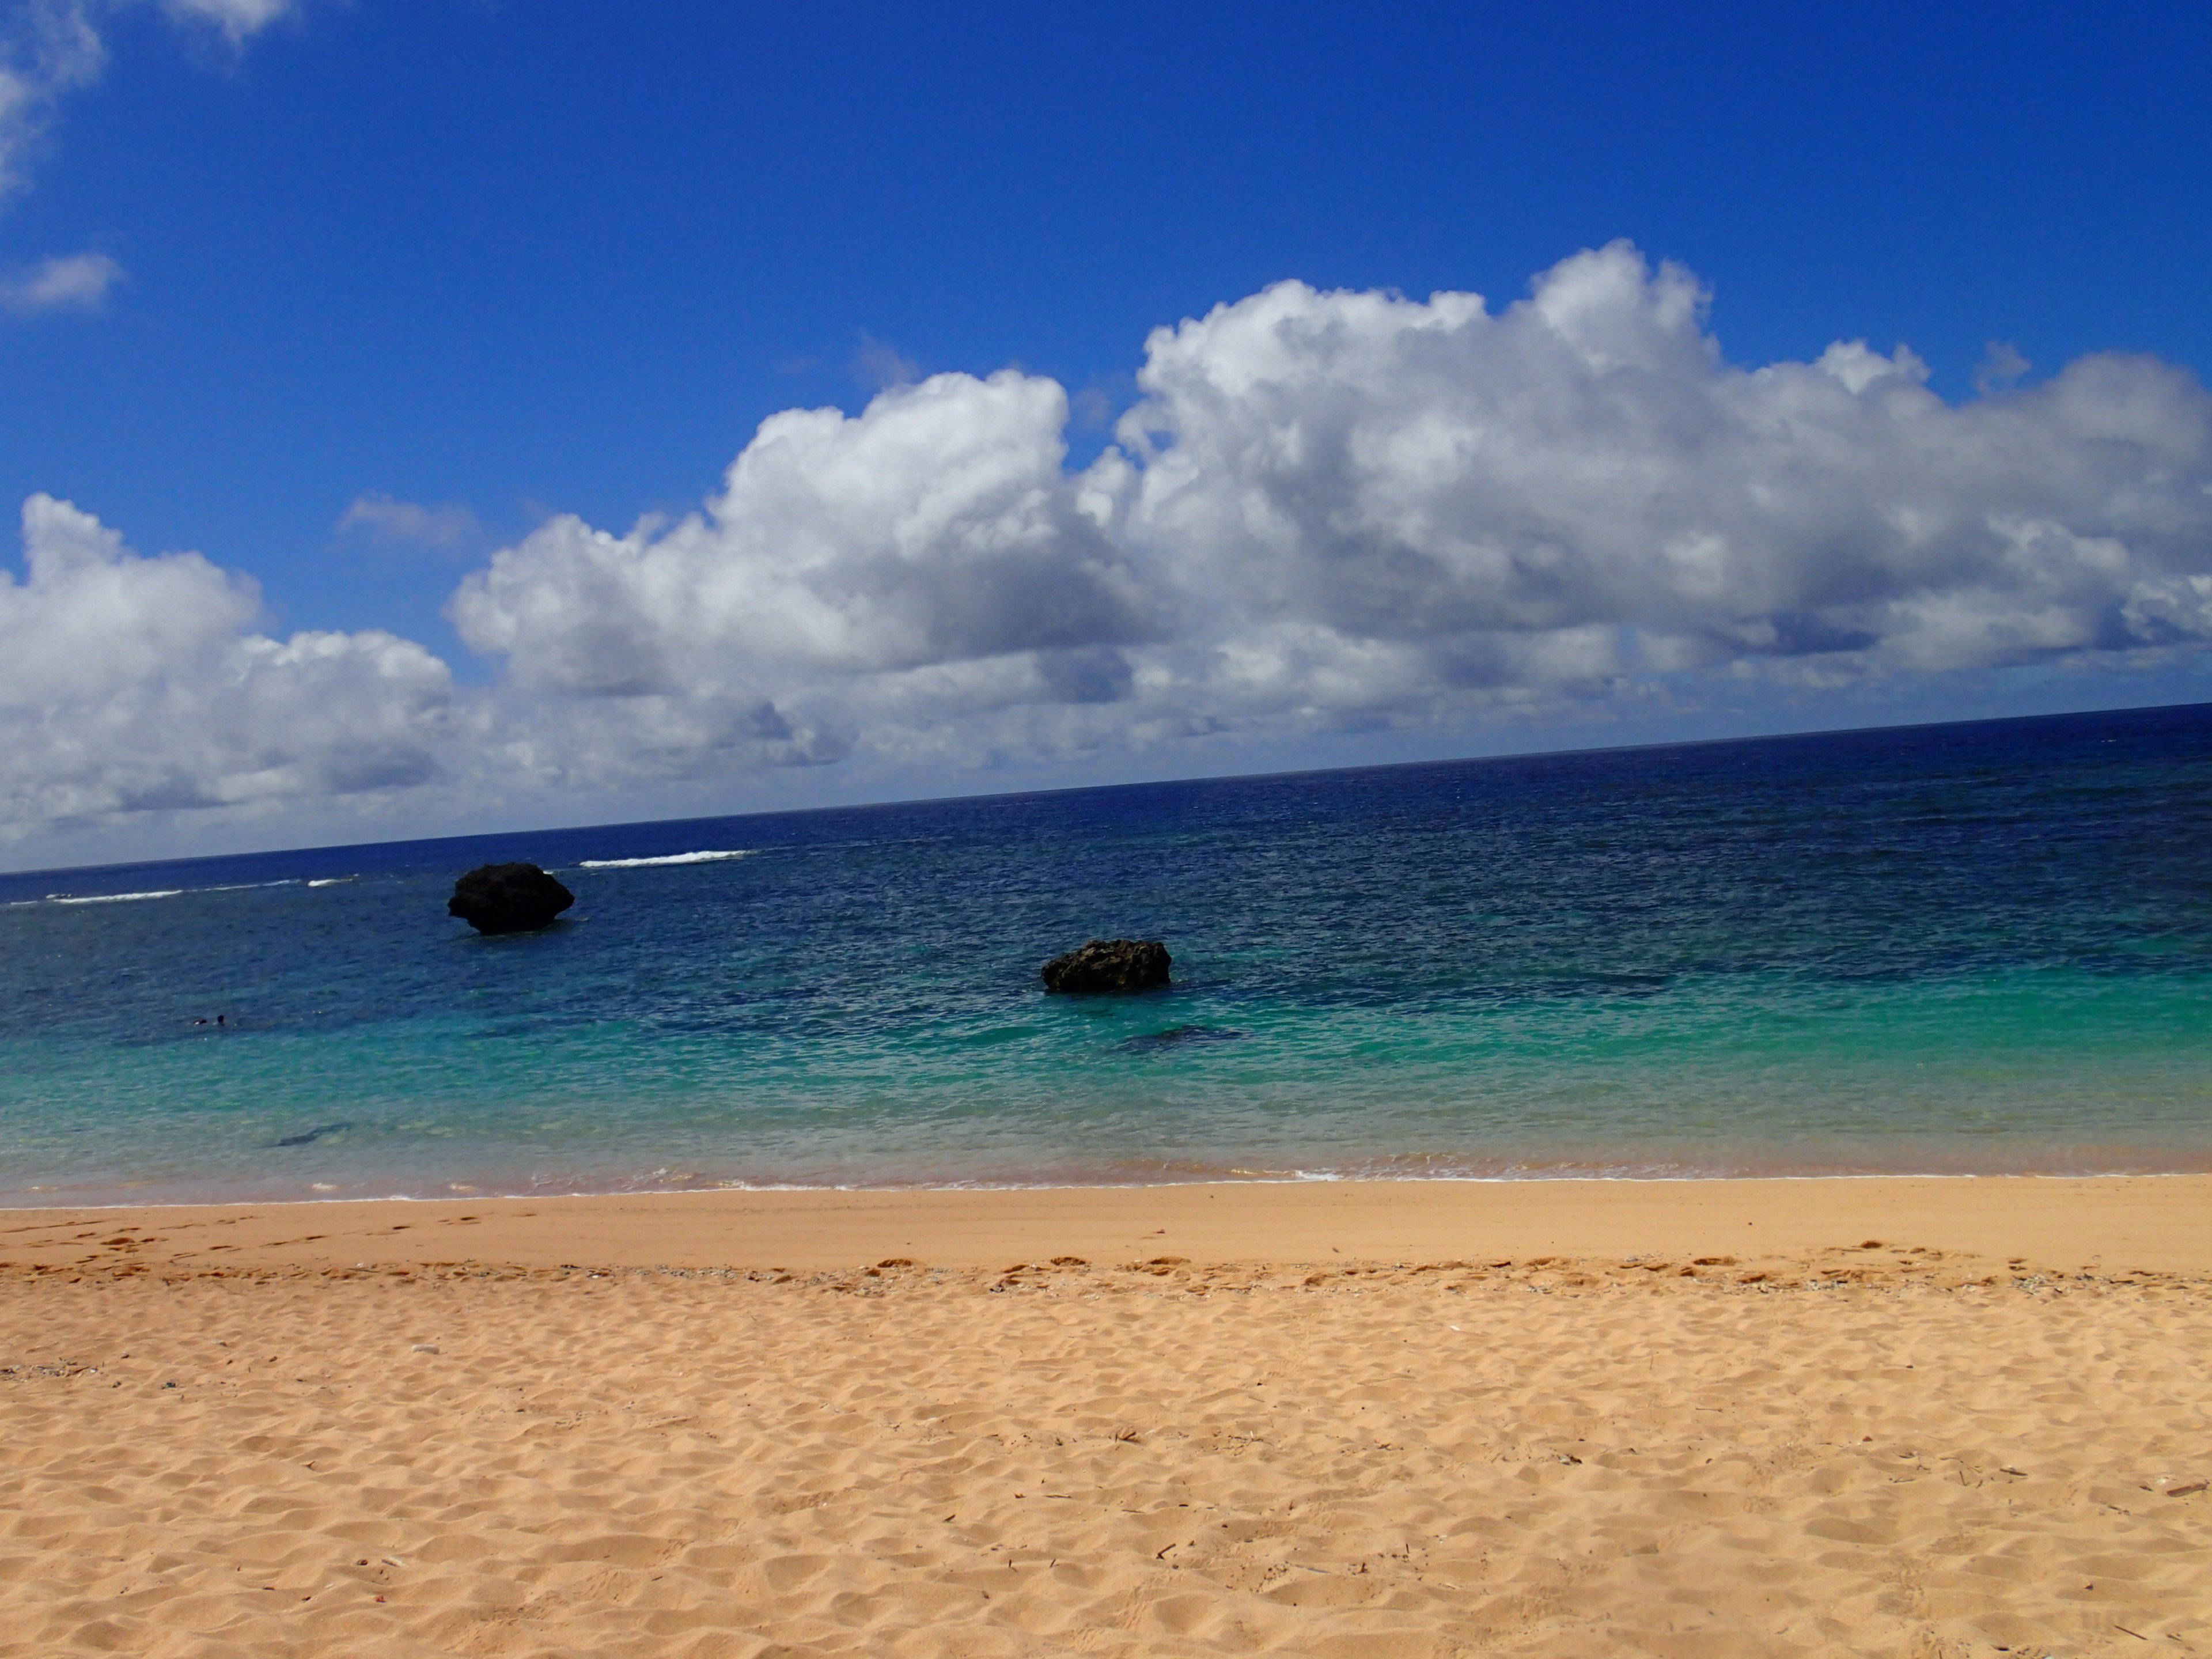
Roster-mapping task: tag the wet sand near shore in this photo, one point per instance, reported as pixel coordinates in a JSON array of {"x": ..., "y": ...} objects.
[
  {"x": 2161, "y": 1222},
  {"x": 1922, "y": 1418}
]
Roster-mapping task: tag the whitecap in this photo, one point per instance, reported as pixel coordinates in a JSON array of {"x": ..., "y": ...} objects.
[
  {"x": 110, "y": 898},
  {"x": 708, "y": 857},
  {"x": 329, "y": 881}
]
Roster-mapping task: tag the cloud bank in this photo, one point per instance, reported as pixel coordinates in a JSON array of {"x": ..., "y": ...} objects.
[
  {"x": 1325, "y": 513},
  {"x": 130, "y": 685}
]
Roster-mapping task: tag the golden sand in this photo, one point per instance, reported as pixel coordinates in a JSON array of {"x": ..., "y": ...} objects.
[{"x": 1912, "y": 1418}]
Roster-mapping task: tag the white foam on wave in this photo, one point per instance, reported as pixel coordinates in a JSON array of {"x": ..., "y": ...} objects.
[
  {"x": 166, "y": 892},
  {"x": 708, "y": 857},
  {"x": 110, "y": 898},
  {"x": 329, "y": 881}
]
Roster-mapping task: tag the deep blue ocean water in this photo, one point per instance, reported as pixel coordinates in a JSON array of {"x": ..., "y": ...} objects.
[{"x": 1972, "y": 948}]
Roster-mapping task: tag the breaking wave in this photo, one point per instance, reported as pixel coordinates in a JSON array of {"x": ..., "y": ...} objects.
[{"x": 708, "y": 857}]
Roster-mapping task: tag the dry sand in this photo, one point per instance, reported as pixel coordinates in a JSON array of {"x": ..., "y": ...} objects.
[{"x": 1359, "y": 1420}]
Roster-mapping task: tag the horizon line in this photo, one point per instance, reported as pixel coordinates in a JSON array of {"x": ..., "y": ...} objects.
[{"x": 1090, "y": 788}]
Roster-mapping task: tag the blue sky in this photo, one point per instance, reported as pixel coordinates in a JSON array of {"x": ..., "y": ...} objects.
[{"x": 505, "y": 263}]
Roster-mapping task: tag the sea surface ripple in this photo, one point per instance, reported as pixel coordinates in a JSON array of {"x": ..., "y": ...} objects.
[{"x": 1966, "y": 949}]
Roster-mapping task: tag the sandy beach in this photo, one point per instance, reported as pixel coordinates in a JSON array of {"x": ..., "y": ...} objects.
[{"x": 1864, "y": 1416}]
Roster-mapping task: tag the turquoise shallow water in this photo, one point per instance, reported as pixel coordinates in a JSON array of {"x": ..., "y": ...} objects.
[{"x": 1968, "y": 949}]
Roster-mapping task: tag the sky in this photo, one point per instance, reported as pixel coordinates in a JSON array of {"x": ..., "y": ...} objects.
[{"x": 452, "y": 416}]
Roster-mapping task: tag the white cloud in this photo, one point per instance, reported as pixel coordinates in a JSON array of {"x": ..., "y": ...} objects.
[
  {"x": 236, "y": 19},
  {"x": 1327, "y": 512},
  {"x": 49, "y": 48},
  {"x": 934, "y": 531},
  {"x": 131, "y": 684},
  {"x": 447, "y": 525},
  {"x": 2176, "y": 607},
  {"x": 1331, "y": 511},
  {"x": 1579, "y": 489},
  {"x": 78, "y": 282}
]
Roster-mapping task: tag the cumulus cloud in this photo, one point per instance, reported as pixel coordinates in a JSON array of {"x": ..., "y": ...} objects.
[
  {"x": 447, "y": 525},
  {"x": 847, "y": 561},
  {"x": 79, "y": 281},
  {"x": 1325, "y": 513},
  {"x": 130, "y": 684},
  {"x": 1579, "y": 489},
  {"x": 1339, "y": 510}
]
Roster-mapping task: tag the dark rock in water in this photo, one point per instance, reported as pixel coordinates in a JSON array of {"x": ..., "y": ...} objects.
[
  {"x": 507, "y": 898},
  {"x": 1110, "y": 965},
  {"x": 1176, "y": 1035}
]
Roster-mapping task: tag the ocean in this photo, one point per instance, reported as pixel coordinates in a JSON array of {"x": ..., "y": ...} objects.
[{"x": 1968, "y": 949}]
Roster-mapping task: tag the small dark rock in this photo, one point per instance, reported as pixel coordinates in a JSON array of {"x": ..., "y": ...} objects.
[
  {"x": 1110, "y": 965},
  {"x": 507, "y": 898}
]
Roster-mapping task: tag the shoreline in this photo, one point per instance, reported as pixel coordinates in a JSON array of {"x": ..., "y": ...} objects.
[
  {"x": 12, "y": 1201},
  {"x": 2160, "y": 1222}
]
